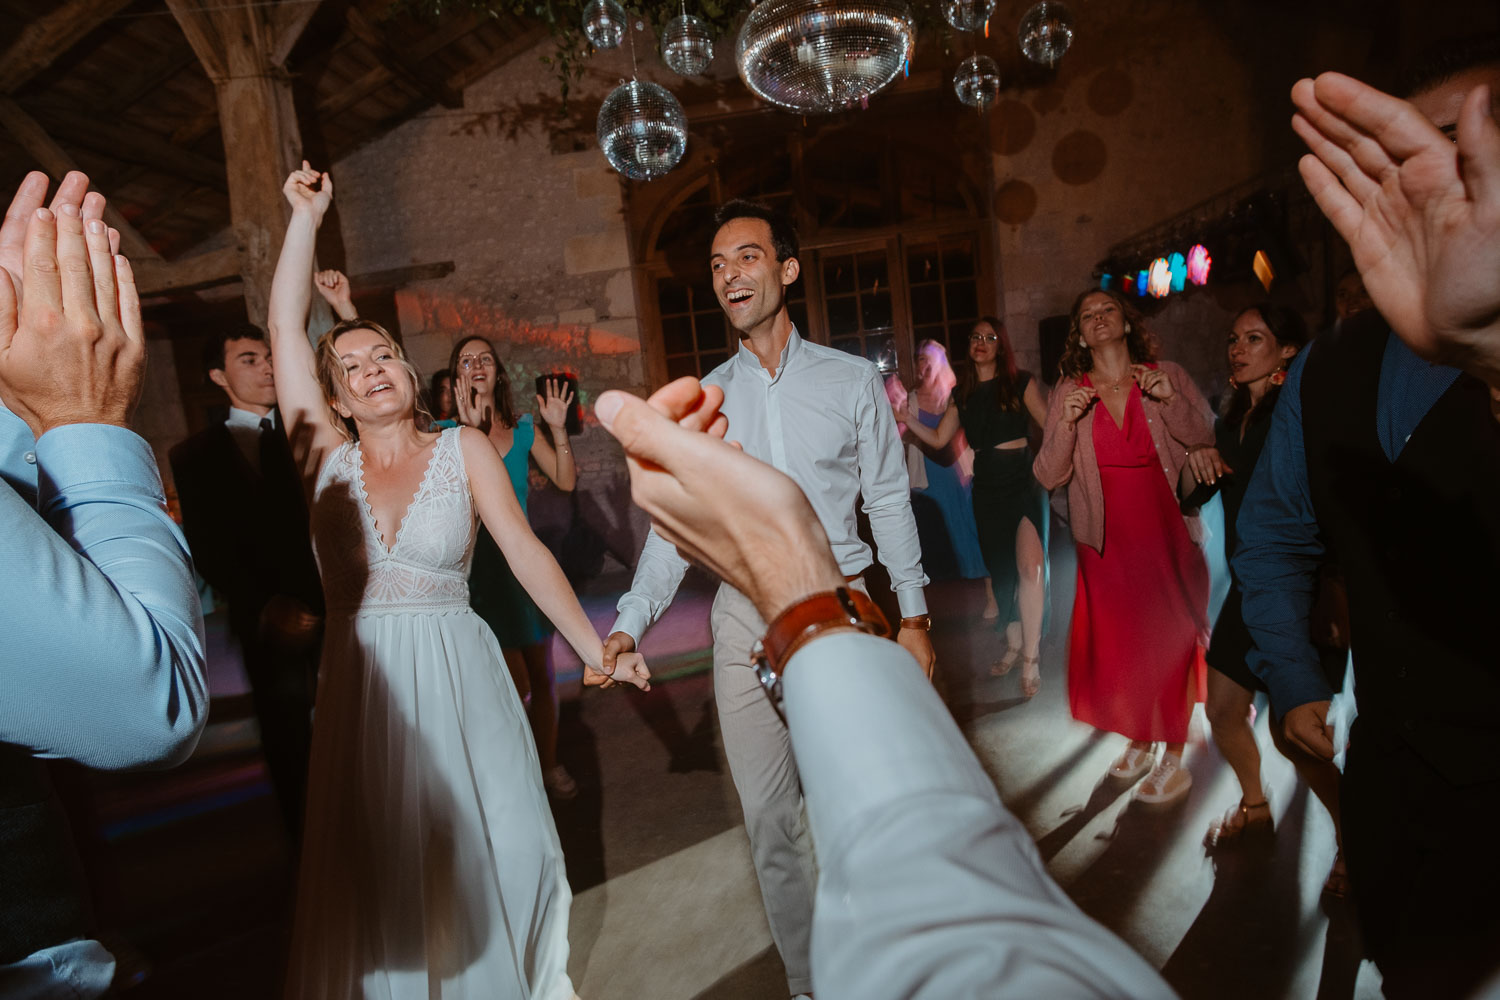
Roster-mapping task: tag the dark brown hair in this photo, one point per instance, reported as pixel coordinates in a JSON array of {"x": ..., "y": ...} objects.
[
  {"x": 1077, "y": 360},
  {"x": 1007, "y": 398},
  {"x": 504, "y": 407},
  {"x": 1287, "y": 326}
]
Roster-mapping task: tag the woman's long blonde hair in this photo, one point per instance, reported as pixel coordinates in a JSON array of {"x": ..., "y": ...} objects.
[{"x": 332, "y": 376}]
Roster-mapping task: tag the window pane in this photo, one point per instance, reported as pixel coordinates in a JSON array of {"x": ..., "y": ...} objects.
[
  {"x": 876, "y": 309},
  {"x": 922, "y": 263},
  {"x": 677, "y": 335},
  {"x": 710, "y": 330},
  {"x": 798, "y": 312},
  {"x": 843, "y": 316},
  {"x": 936, "y": 333},
  {"x": 838, "y": 275},
  {"x": 687, "y": 364},
  {"x": 709, "y": 362},
  {"x": 671, "y": 297},
  {"x": 963, "y": 301},
  {"x": 704, "y": 298},
  {"x": 881, "y": 349},
  {"x": 958, "y": 260},
  {"x": 927, "y": 304},
  {"x": 874, "y": 272},
  {"x": 854, "y": 345}
]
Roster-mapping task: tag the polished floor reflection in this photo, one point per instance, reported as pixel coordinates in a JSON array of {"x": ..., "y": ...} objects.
[{"x": 193, "y": 876}]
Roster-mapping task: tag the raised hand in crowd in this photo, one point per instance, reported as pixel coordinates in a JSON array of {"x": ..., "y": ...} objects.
[
  {"x": 554, "y": 406},
  {"x": 1421, "y": 216},
  {"x": 472, "y": 410},
  {"x": 334, "y": 287}
]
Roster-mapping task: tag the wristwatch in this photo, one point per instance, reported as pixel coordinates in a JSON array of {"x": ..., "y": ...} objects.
[{"x": 805, "y": 619}]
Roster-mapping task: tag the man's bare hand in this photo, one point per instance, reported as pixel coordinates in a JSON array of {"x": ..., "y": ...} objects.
[
  {"x": 616, "y": 644},
  {"x": 918, "y": 643},
  {"x": 1307, "y": 726},
  {"x": 72, "y": 345}
]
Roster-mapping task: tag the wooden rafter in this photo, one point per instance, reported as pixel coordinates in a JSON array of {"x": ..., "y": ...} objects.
[
  {"x": 217, "y": 267},
  {"x": 56, "y": 161},
  {"x": 129, "y": 144},
  {"x": 402, "y": 62},
  {"x": 42, "y": 41}
]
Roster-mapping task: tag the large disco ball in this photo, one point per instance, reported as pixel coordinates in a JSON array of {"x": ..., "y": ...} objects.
[
  {"x": 642, "y": 130},
  {"x": 604, "y": 23},
  {"x": 687, "y": 46},
  {"x": 968, "y": 15},
  {"x": 977, "y": 81},
  {"x": 823, "y": 56},
  {"x": 1046, "y": 32}
]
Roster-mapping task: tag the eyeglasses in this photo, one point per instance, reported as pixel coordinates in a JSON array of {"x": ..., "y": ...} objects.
[
  {"x": 470, "y": 363},
  {"x": 978, "y": 338}
]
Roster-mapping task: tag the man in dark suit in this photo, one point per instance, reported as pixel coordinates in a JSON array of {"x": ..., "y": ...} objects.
[{"x": 246, "y": 523}]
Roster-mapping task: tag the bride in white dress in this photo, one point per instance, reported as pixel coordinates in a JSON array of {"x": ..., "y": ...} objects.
[{"x": 430, "y": 863}]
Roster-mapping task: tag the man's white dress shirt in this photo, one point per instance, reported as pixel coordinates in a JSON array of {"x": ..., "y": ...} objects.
[{"x": 825, "y": 421}]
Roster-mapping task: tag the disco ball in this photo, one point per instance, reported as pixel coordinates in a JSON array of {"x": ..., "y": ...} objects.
[
  {"x": 687, "y": 46},
  {"x": 968, "y": 15},
  {"x": 977, "y": 81},
  {"x": 642, "y": 130},
  {"x": 604, "y": 23},
  {"x": 824, "y": 56},
  {"x": 1046, "y": 32}
]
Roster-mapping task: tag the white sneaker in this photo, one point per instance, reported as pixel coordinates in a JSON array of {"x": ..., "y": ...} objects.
[
  {"x": 1168, "y": 782},
  {"x": 1133, "y": 763}
]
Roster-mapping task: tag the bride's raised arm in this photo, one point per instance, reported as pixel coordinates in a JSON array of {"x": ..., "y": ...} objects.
[
  {"x": 534, "y": 565},
  {"x": 304, "y": 407}
]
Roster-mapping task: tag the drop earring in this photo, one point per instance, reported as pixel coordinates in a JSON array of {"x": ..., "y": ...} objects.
[
  {"x": 1278, "y": 377},
  {"x": 1127, "y": 327}
]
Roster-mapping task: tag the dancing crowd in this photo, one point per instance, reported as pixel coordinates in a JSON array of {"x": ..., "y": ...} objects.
[{"x": 368, "y": 532}]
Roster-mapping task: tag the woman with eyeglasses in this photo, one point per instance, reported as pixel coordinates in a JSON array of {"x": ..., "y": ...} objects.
[
  {"x": 482, "y": 398},
  {"x": 1117, "y": 435},
  {"x": 993, "y": 405}
]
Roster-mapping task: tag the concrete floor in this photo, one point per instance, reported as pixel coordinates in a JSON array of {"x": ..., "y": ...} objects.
[{"x": 192, "y": 874}]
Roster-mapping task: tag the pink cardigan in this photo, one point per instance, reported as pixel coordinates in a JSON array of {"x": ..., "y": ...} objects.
[{"x": 1067, "y": 452}]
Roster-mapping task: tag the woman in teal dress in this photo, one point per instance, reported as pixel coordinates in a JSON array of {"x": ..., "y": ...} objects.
[{"x": 481, "y": 393}]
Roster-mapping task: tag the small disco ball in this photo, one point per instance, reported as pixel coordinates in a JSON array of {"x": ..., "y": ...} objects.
[
  {"x": 642, "y": 130},
  {"x": 977, "y": 81},
  {"x": 1046, "y": 32},
  {"x": 824, "y": 56},
  {"x": 687, "y": 46},
  {"x": 968, "y": 15},
  {"x": 604, "y": 24}
]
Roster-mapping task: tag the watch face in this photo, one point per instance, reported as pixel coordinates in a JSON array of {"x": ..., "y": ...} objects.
[{"x": 771, "y": 681}]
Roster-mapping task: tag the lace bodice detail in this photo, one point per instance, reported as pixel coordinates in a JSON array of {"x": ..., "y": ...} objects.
[{"x": 428, "y": 567}]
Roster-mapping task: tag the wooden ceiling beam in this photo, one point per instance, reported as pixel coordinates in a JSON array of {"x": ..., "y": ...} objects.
[
  {"x": 42, "y": 41},
  {"x": 56, "y": 161},
  {"x": 216, "y": 267},
  {"x": 525, "y": 37},
  {"x": 401, "y": 61},
  {"x": 130, "y": 144},
  {"x": 153, "y": 74}
]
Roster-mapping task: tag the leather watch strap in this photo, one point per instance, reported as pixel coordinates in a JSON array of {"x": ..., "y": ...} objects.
[{"x": 812, "y": 615}]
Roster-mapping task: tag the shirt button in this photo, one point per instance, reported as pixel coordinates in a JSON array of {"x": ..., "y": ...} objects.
[{"x": 30, "y": 457}]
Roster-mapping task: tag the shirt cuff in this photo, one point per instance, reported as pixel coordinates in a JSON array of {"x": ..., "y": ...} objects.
[
  {"x": 913, "y": 602},
  {"x": 632, "y": 623},
  {"x": 79, "y": 454}
]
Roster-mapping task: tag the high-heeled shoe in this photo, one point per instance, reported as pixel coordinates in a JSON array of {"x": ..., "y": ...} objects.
[
  {"x": 1031, "y": 675},
  {"x": 1004, "y": 665},
  {"x": 1240, "y": 823}
]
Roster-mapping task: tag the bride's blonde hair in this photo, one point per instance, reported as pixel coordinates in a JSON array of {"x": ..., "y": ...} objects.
[{"x": 332, "y": 376}]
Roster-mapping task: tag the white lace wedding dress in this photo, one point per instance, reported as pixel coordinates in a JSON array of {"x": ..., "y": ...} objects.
[{"x": 430, "y": 863}]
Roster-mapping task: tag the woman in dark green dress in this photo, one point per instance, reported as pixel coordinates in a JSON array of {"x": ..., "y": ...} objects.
[{"x": 481, "y": 392}]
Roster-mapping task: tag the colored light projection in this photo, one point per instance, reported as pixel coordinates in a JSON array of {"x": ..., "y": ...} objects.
[
  {"x": 1198, "y": 264},
  {"x": 1263, "y": 269},
  {"x": 1159, "y": 281},
  {"x": 1169, "y": 275}
]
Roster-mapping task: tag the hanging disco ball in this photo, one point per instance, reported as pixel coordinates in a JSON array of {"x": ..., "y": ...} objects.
[
  {"x": 687, "y": 46},
  {"x": 1046, "y": 32},
  {"x": 968, "y": 15},
  {"x": 977, "y": 81},
  {"x": 642, "y": 130},
  {"x": 604, "y": 24},
  {"x": 824, "y": 56}
]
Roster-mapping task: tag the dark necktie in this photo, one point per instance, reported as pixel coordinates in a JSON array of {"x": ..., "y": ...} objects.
[{"x": 274, "y": 455}]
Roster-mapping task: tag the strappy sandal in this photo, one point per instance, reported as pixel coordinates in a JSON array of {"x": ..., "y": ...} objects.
[
  {"x": 1031, "y": 675},
  {"x": 1254, "y": 820},
  {"x": 1337, "y": 883},
  {"x": 1006, "y": 663}
]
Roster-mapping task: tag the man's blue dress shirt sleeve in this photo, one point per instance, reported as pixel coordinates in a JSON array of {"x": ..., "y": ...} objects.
[
  {"x": 1278, "y": 557},
  {"x": 103, "y": 655}
]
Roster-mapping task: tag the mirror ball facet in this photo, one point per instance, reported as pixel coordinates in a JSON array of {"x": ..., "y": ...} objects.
[
  {"x": 1046, "y": 32},
  {"x": 642, "y": 130},
  {"x": 822, "y": 56},
  {"x": 968, "y": 15},
  {"x": 604, "y": 24},
  {"x": 687, "y": 46},
  {"x": 977, "y": 81}
]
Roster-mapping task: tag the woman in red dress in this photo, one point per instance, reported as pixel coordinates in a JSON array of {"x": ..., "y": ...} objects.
[{"x": 1119, "y": 426}]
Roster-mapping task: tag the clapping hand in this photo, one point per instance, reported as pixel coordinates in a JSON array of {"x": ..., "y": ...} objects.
[
  {"x": 554, "y": 407},
  {"x": 308, "y": 190},
  {"x": 1421, "y": 216},
  {"x": 72, "y": 345},
  {"x": 1154, "y": 382}
]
